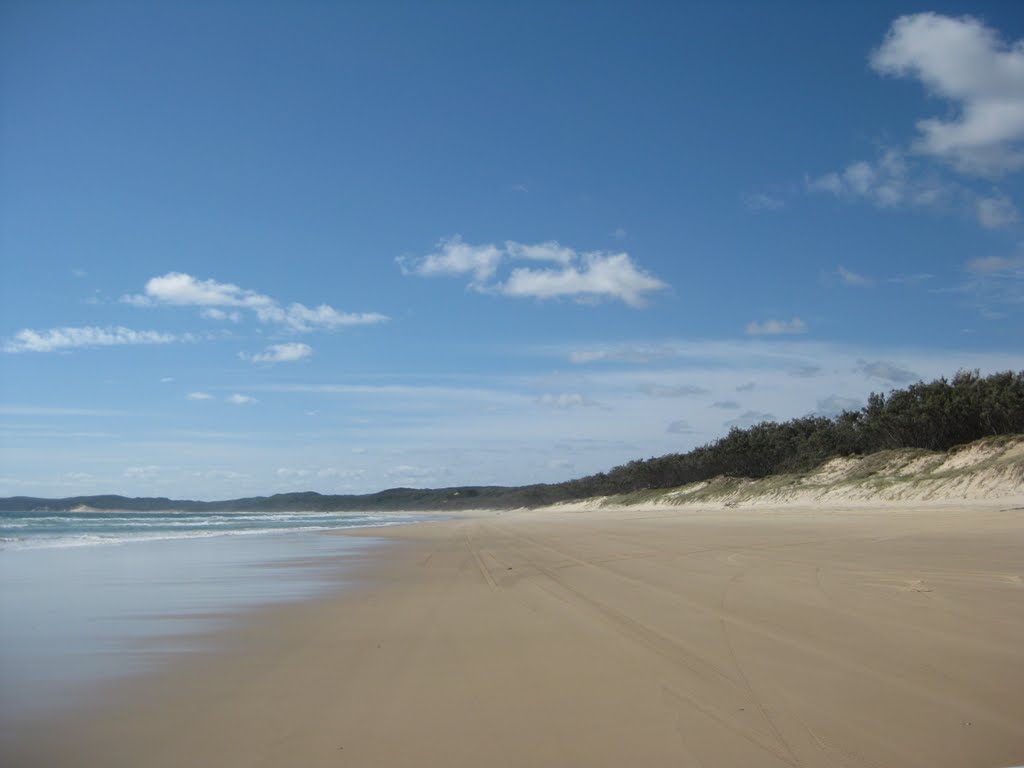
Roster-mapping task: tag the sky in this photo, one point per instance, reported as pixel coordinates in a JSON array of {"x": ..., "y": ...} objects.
[{"x": 261, "y": 247}]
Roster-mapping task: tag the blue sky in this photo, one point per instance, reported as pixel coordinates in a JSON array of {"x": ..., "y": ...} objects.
[{"x": 262, "y": 247}]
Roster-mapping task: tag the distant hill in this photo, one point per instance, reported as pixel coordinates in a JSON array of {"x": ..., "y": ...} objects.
[
  {"x": 411, "y": 499},
  {"x": 935, "y": 417}
]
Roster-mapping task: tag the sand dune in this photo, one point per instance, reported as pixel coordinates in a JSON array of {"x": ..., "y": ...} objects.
[
  {"x": 626, "y": 637},
  {"x": 989, "y": 469}
]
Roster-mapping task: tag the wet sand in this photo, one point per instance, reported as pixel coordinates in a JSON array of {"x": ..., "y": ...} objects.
[{"x": 763, "y": 637}]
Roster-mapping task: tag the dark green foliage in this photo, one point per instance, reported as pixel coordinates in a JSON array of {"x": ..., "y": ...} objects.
[{"x": 935, "y": 416}]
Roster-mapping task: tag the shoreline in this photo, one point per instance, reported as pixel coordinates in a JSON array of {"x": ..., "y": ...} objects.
[{"x": 637, "y": 636}]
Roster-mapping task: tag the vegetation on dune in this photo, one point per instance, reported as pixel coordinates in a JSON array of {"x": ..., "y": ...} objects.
[{"x": 933, "y": 416}]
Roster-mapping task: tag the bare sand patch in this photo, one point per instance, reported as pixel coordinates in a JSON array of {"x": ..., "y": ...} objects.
[{"x": 682, "y": 636}]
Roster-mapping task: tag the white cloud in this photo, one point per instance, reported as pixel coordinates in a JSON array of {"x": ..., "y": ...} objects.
[
  {"x": 299, "y": 317},
  {"x": 996, "y": 212},
  {"x": 212, "y": 313},
  {"x": 967, "y": 63},
  {"x": 166, "y": 379},
  {"x": 454, "y": 258},
  {"x": 237, "y": 399},
  {"x": 777, "y": 327},
  {"x": 852, "y": 278},
  {"x": 199, "y": 396},
  {"x": 888, "y": 182},
  {"x": 28, "y": 340},
  {"x": 280, "y": 353},
  {"x": 180, "y": 289},
  {"x": 585, "y": 277},
  {"x": 598, "y": 276},
  {"x": 547, "y": 251},
  {"x": 679, "y": 427}
]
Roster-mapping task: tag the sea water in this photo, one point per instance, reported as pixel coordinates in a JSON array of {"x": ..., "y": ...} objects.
[{"x": 91, "y": 595}]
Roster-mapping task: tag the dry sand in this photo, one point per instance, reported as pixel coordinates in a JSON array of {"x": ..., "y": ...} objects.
[{"x": 670, "y": 637}]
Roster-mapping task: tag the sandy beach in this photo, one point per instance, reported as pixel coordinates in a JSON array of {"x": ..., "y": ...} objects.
[{"x": 787, "y": 636}]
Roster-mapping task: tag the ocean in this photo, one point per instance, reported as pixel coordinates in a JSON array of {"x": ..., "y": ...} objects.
[{"x": 87, "y": 596}]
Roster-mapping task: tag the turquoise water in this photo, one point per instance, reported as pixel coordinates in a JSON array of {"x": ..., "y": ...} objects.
[{"x": 93, "y": 595}]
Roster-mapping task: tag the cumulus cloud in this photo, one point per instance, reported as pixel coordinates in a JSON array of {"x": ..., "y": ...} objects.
[
  {"x": 455, "y": 258},
  {"x": 879, "y": 369},
  {"x": 968, "y": 64},
  {"x": 596, "y": 276},
  {"x": 184, "y": 290},
  {"x": 584, "y": 277},
  {"x": 54, "y": 339},
  {"x": 777, "y": 327},
  {"x": 981, "y": 77},
  {"x": 280, "y": 353},
  {"x": 237, "y": 399},
  {"x": 728, "y": 405},
  {"x": 996, "y": 212},
  {"x": 199, "y": 396},
  {"x": 181, "y": 289}
]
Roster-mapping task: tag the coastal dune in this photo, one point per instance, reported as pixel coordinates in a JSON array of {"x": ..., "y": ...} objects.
[{"x": 793, "y": 636}]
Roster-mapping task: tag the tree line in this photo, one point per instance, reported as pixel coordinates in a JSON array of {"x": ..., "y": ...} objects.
[{"x": 935, "y": 416}]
